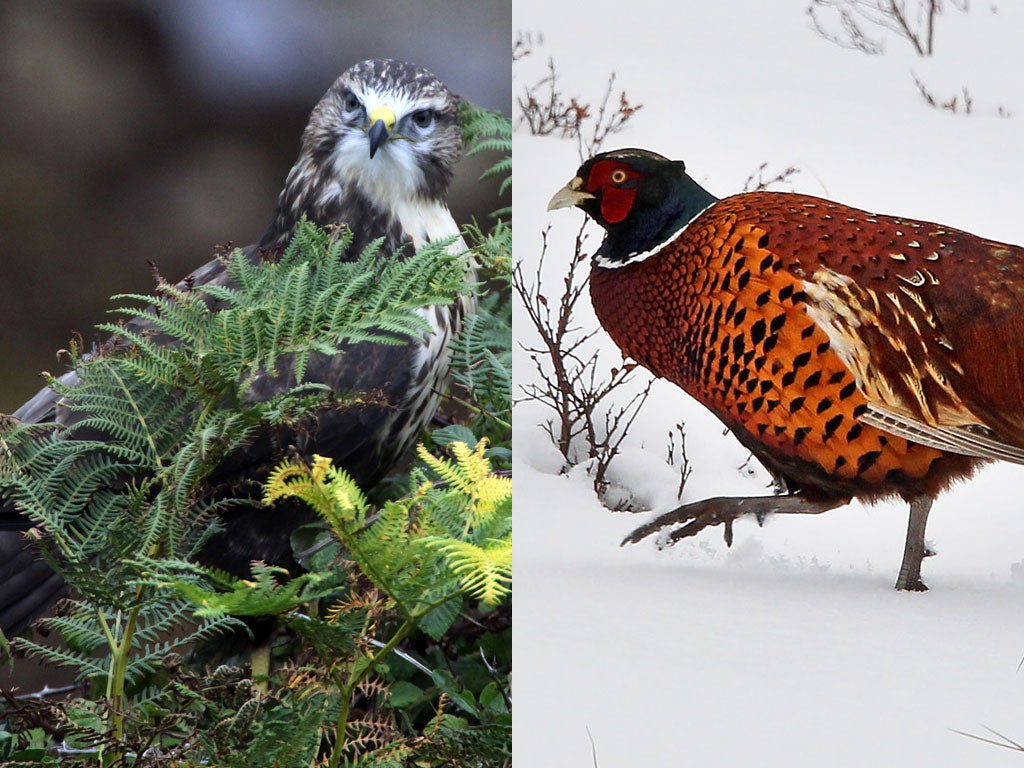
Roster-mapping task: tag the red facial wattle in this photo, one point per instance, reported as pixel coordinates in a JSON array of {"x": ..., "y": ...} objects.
[{"x": 615, "y": 183}]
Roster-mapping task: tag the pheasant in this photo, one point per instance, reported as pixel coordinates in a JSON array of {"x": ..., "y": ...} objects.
[{"x": 855, "y": 355}]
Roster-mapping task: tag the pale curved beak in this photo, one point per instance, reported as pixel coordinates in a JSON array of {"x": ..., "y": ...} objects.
[{"x": 569, "y": 195}]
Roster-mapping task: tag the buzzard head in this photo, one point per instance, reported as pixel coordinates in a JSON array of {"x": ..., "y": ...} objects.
[{"x": 377, "y": 155}]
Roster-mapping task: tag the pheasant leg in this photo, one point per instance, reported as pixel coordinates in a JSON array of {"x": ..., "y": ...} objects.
[
  {"x": 722, "y": 510},
  {"x": 915, "y": 550}
]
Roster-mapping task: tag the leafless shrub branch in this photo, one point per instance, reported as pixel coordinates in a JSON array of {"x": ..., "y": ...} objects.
[
  {"x": 959, "y": 103},
  {"x": 611, "y": 118},
  {"x": 852, "y": 36},
  {"x": 524, "y": 44},
  {"x": 684, "y": 461},
  {"x": 913, "y": 20},
  {"x": 544, "y": 110},
  {"x": 757, "y": 180},
  {"x": 998, "y": 740},
  {"x": 587, "y": 425}
]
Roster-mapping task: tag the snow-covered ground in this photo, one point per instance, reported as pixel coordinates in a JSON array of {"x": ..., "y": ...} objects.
[{"x": 791, "y": 648}]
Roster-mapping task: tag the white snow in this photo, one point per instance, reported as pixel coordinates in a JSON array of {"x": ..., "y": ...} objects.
[{"x": 791, "y": 648}]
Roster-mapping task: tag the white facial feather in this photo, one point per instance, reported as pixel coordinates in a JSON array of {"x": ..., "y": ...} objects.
[{"x": 393, "y": 178}]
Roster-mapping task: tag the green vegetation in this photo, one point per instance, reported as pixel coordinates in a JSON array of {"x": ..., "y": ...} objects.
[{"x": 394, "y": 648}]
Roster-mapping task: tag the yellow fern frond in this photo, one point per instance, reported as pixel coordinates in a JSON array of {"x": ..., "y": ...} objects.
[
  {"x": 491, "y": 491},
  {"x": 470, "y": 474},
  {"x": 484, "y": 571},
  {"x": 328, "y": 490},
  {"x": 446, "y": 470}
]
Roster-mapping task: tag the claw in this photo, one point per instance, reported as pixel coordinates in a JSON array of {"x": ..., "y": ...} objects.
[{"x": 695, "y": 517}]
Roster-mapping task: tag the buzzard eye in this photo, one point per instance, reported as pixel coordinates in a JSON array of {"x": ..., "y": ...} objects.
[
  {"x": 352, "y": 102},
  {"x": 423, "y": 117}
]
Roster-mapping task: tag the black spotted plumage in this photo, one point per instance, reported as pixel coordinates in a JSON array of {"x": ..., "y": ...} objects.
[
  {"x": 376, "y": 157},
  {"x": 855, "y": 354}
]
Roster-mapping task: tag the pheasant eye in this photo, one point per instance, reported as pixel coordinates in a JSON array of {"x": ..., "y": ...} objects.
[{"x": 619, "y": 176}]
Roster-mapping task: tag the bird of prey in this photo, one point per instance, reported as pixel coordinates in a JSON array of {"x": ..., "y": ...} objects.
[
  {"x": 855, "y": 354},
  {"x": 377, "y": 156}
]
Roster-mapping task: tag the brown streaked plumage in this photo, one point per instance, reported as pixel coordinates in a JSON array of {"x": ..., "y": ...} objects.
[{"x": 855, "y": 354}]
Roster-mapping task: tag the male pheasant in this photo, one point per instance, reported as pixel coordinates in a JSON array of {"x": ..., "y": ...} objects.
[{"x": 855, "y": 354}]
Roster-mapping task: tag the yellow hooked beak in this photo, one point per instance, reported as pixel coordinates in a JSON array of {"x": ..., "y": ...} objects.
[
  {"x": 382, "y": 123},
  {"x": 569, "y": 195}
]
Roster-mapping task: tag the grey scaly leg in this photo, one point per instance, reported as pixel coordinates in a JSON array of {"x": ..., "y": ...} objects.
[{"x": 915, "y": 550}]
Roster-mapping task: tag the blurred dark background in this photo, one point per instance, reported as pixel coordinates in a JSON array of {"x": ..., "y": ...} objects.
[{"x": 156, "y": 129}]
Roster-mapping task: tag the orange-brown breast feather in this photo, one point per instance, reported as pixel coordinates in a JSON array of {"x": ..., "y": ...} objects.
[{"x": 804, "y": 325}]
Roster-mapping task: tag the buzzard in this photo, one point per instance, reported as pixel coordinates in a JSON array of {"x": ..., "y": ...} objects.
[{"x": 377, "y": 156}]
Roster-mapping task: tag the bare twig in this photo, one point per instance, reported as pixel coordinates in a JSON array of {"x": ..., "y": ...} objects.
[
  {"x": 923, "y": 90},
  {"x": 617, "y": 423},
  {"x": 587, "y": 425},
  {"x": 556, "y": 360},
  {"x": 684, "y": 461},
  {"x": 593, "y": 746},
  {"x": 959, "y": 103},
  {"x": 609, "y": 120},
  {"x": 544, "y": 110},
  {"x": 1000, "y": 741},
  {"x": 756, "y": 181},
  {"x": 853, "y": 36},
  {"x": 524, "y": 44},
  {"x": 913, "y": 20},
  {"x": 569, "y": 379}
]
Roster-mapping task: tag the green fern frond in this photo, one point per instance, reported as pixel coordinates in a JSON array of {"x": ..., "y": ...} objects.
[
  {"x": 484, "y": 130},
  {"x": 84, "y": 664},
  {"x": 387, "y": 546},
  {"x": 481, "y": 125},
  {"x": 501, "y": 169},
  {"x": 271, "y": 591},
  {"x": 482, "y": 366}
]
